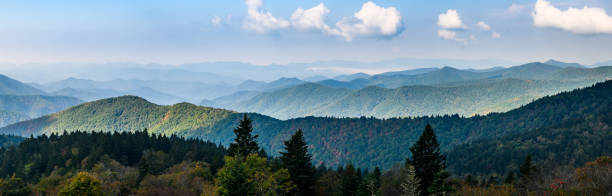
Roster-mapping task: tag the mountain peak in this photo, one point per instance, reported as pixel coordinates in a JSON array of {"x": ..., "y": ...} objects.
[
  {"x": 448, "y": 68},
  {"x": 124, "y": 98},
  {"x": 562, "y": 64}
]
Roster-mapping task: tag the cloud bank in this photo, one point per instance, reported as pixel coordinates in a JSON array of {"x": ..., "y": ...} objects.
[
  {"x": 370, "y": 21},
  {"x": 579, "y": 21}
]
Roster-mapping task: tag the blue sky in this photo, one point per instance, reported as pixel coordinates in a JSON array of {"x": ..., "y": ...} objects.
[{"x": 264, "y": 31}]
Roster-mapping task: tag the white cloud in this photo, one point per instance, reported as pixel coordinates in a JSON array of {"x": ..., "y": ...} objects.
[
  {"x": 450, "y": 35},
  {"x": 262, "y": 21},
  {"x": 450, "y": 20},
  {"x": 515, "y": 8},
  {"x": 371, "y": 20},
  {"x": 311, "y": 19},
  {"x": 483, "y": 26},
  {"x": 495, "y": 35},
  {"x": 579, "y": 21},
  {"x": 216, "y": 20}
]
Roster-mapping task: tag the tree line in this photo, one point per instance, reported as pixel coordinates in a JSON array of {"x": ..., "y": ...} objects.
[{"x": 139, "y": 163}]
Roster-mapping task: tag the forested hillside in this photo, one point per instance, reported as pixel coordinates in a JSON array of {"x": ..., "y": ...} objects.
[
  {"x": 138, "y": 163},
  {"x": 572, "y": 142},
  {"x": 9, "y": 140},
  {"x": 362, "y": 141},
  {"x": 465, "y": 98},
  {"x": 420, "y": 92},
  {"x": 7, "y": 117}
]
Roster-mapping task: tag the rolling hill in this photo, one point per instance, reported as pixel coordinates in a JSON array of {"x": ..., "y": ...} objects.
[{"x": 363, "y": 141}]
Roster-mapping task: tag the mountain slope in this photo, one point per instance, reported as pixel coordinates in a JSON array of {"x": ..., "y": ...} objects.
[
  {"x": 36, "y": 105},
  {"x": 7, "y": 117},
  {"x": 563, "y": 64},
  {"x": 365, "y": 142},
  {"x": 447, "y": 91},
  {"x": 10, "y": 86},
  {"x": 467, "y": 99},
  {"x": 574, "y": 141},
  {"x": 293, "y": 102},
  {"x": 128, "y": 113}
]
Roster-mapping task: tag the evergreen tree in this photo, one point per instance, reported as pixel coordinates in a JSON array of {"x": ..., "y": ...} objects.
[
  {"x": 509, "y": 178},
  {"x": 527, "y": 169},
  {"x": 370, "y": 184},
  {"x": 410, "y": 183},
  {"x": 439, "y": 186},
  {"x": 245, "y": 143},
  {"x": 350, "y": 181},
  {"x": 527, "y": 175},
  {"x": 297, "y": 160},
  {"x": 376, "y": 174},
  {"x": 427, "y": 159}
]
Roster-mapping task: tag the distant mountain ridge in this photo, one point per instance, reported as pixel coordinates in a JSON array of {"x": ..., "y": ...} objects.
[
  {"x": 9, "y": 86},
  {"x": 563, "y": 64},
  {"x": 480, "y": 97},
  {"x": 363, "y": 141},
  {"x": 19, "y": 101},
  {"x": 435, "y": 92},
  {"x": 95, "y": 94}
]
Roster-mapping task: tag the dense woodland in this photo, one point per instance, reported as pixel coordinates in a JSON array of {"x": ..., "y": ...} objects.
[
  {"x": 9, "y": 140},
  {"x": 465, "y": 98},
  {"x": 139, "y": 163}
]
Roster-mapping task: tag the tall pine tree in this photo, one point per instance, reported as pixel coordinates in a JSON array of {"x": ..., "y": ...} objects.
[
  {"x": 427, "y": 160},
  {"x": 527, "y": 169},
  {"x": 350, "y": 181},
  {"x": 297, "y": 160},
  {"x": 245, "y": 143}
]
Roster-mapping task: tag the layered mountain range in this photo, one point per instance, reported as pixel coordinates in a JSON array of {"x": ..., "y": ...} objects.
[
  {"x": 366, "y": 142},
  {"x": 418, "y": 92}
]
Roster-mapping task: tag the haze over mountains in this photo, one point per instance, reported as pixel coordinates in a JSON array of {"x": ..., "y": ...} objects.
[
  {"x": 401, "y": 103},
  {"x": 390, "y": 94},
  {"x": 363, "y": 141},
  {"x": 434, "y": 91},
  {"x": 20, "y": 102}
]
